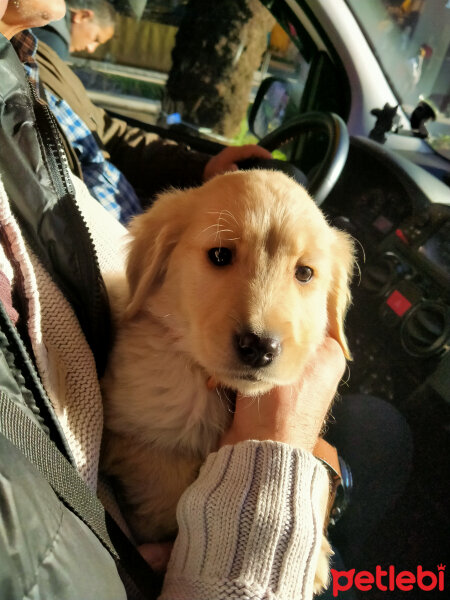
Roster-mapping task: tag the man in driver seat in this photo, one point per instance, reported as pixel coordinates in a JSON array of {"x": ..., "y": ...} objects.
[{"x": 124, "y": 167}]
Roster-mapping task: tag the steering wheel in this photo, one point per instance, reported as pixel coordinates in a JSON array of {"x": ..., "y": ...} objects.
[{"x": 331, "y": 165}]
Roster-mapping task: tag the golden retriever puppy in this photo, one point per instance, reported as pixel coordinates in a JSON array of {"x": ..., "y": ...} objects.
[{"x": 238, "y": 280}]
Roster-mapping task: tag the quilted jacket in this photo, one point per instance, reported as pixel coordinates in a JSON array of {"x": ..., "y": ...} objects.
[{"x": 37, "y": 540}]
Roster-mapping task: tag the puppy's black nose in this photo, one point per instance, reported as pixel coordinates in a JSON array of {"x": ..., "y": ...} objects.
[{"x": 256, "y": 351}]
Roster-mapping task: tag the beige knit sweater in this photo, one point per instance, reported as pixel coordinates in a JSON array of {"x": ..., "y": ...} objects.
[{"x": 249, "y": 527}]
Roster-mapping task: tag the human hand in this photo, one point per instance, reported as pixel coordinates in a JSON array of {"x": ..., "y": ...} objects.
[
  {"x": 291, "y": 414},
  {"x": 228, "y": 157}
]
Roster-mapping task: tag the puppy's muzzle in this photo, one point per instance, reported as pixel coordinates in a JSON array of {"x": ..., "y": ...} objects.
[{"x": 255, "y": 351}]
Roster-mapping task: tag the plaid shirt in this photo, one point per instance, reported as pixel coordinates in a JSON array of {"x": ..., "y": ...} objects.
[{"x": 105, "y": 182}]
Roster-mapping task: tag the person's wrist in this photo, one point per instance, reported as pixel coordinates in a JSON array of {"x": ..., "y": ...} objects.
[
  {"x": 303, "y": 440},
  {"x": 277, "y": 416}
]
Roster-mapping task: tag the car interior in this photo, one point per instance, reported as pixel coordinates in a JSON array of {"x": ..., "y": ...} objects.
[{"x": 399, "y": 214}]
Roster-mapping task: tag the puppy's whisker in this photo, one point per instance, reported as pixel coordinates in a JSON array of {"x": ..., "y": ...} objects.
[
  {"x": 251, "y": 401},
  {"x": 214, "y": 225},
  {"x": 330, "y": 419},
  {"x": 221, "y": 222},
  {"x": 219, "y": 233},
  {"x": 218, "y": 391},
  {"x": 229, "y": 239},
  {"x": 229, "y": 214},
  {"x": 362, "y": 248},
  {"x": 222, "y": 215},
  {"x": 225, "y": 400},
  {"x": 358, "y": 269},
  {"x": 346, "y": 377}
]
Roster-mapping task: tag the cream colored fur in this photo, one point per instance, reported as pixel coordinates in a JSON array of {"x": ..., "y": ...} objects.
[{"x": 177, "y": 314}]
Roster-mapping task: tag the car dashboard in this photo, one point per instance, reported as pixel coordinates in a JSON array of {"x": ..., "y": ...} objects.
[{"x": 399, "y": 323}]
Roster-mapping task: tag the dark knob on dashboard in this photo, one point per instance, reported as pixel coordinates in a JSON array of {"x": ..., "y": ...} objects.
[
  {"x": 426, "y": 329},
  {"x": 379, "y": 275}
]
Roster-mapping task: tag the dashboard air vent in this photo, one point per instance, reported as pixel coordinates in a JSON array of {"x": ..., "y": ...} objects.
[
  {"x": 378, "y": 276},
  {"x": 426, "y": 329}
]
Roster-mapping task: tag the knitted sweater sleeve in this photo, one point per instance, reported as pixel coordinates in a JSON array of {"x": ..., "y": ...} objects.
[{"x": 249, "y": 526}]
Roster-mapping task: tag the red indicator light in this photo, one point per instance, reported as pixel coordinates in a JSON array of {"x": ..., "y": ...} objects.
[
  {"x": 399, "y": 233},
  {"x": 398, "y": 303}
]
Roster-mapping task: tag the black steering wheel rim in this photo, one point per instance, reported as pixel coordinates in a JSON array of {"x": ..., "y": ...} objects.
[{"x": 324, "y": 179}]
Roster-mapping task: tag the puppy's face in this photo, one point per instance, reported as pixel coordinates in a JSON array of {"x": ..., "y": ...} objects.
[{"x": 246, "y": 275}]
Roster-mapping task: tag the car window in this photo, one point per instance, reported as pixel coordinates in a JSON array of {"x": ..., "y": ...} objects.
[
  {"x": 175, "y": 64},
  {"x": 411, "y": 40}
]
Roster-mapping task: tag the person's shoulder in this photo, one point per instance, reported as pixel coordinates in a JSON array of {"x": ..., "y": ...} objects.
[
  {"x": 53, "y": 41},
  {"x": 46, "y": 53},
  {"x": 54, "y": 72}
]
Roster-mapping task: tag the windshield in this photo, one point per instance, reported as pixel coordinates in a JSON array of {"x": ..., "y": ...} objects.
[
  {"x": 412, "y": 41},
  {"x": 179, "y": 65}
]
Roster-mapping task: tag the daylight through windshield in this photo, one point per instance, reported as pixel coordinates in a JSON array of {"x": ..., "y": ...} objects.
[{"x": 412, "y": 41}]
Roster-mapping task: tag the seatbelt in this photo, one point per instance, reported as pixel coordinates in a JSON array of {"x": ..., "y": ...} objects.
[{"x": 139, "y": 580}]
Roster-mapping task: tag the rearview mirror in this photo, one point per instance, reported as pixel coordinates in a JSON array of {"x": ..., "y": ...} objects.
[{"x": 276, "y": 101}]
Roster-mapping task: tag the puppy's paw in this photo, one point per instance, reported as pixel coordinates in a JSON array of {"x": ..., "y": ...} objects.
[{"x": 322, "y": 576}]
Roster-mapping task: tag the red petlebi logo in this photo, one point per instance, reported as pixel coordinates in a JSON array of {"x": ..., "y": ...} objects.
[{"x": 388, "y": 579}]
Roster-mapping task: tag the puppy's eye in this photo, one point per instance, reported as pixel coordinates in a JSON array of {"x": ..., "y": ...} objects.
[
  {"x": 220, "y": 256},
  {"x": 303, "y": 273}
]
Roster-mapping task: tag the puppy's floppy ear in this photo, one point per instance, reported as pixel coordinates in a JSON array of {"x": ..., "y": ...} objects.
[
  {"x": 154, "y": 235},
  {"x": 339, "y": 295}
]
